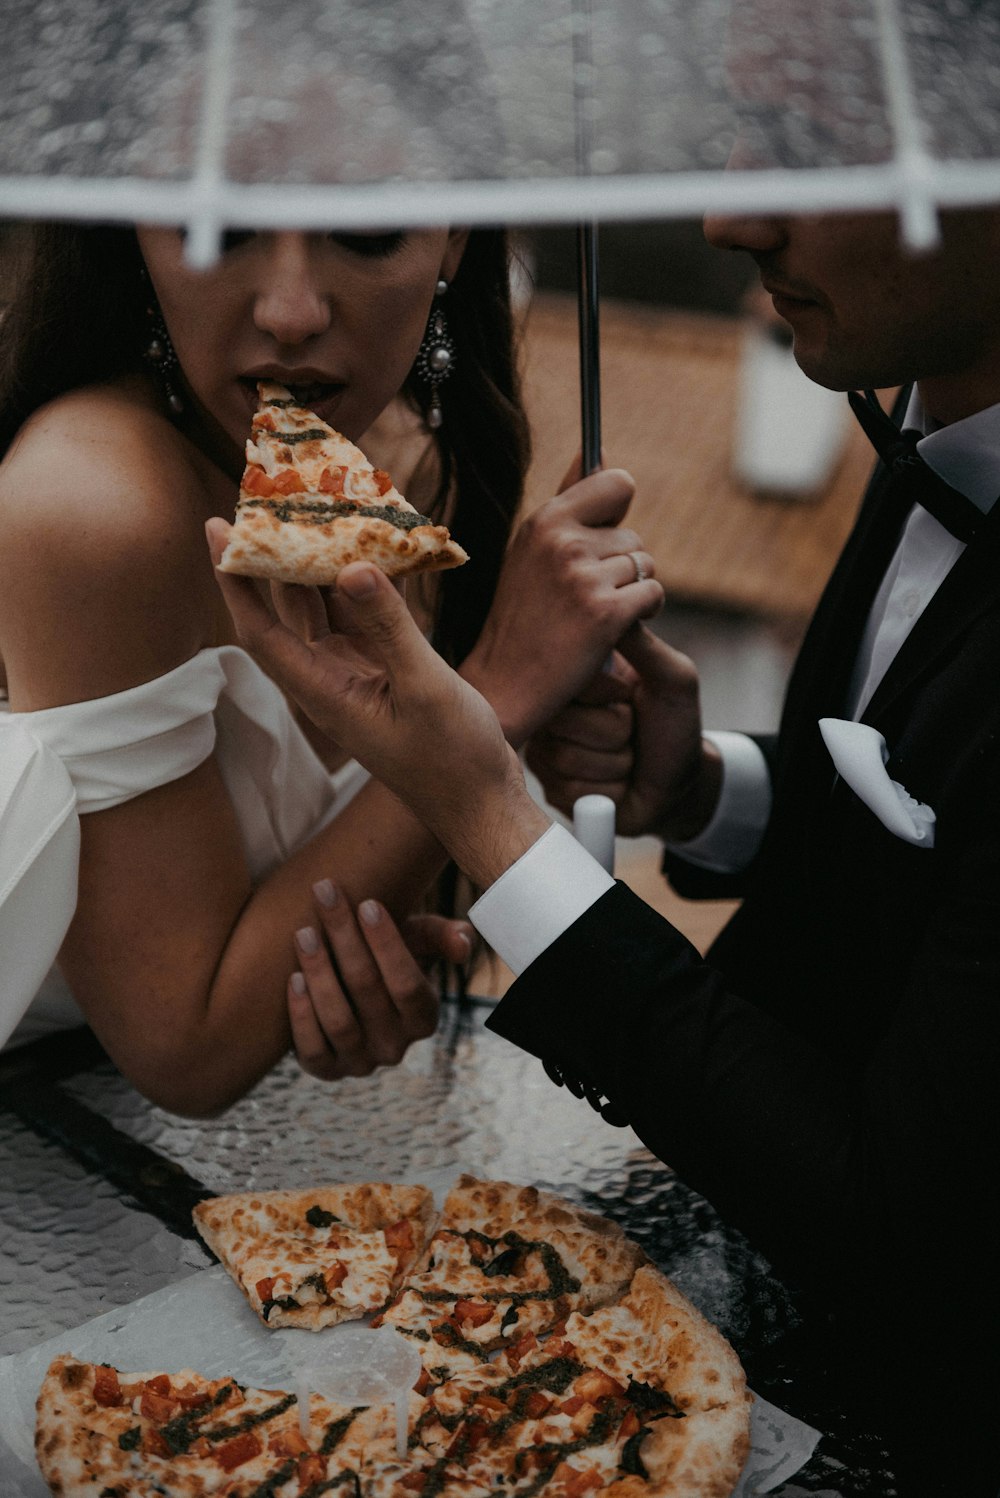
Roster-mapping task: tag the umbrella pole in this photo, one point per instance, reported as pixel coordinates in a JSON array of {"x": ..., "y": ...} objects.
[{"x": 590, "y": 346}]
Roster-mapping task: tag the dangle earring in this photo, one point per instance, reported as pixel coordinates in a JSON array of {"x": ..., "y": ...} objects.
[
  {"x": 159, "y": 352},
  {"x": 436, "y": 356}
]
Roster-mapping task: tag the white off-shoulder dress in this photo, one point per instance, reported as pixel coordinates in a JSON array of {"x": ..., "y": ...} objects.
[{"x": 62, "y": 762}]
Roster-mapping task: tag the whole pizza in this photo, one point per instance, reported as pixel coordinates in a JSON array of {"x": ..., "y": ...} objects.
[{"x": 556, "y": 1360}]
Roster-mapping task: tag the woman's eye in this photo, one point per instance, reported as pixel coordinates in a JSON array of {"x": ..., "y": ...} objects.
[
  {"x": 371, "y": 246},
  {"x": 233, "y": 238}
]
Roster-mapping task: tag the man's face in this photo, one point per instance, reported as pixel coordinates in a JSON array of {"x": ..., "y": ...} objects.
[{"x": 865, "y": 313}]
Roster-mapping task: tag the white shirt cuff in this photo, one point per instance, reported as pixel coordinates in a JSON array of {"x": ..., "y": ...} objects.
[
  {"x": 730, "y": 840},
  {"x": 539, "y": 897}
]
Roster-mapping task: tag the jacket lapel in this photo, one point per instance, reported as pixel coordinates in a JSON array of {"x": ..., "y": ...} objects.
[{"x": 971, "y": 589}]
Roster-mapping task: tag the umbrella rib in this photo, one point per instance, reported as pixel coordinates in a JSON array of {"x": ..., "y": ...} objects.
[
  {"x": 209, "y": 174},
  {"x": 920, "y": 226}
]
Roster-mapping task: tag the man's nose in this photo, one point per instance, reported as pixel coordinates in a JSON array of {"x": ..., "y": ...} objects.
[
  {"x": 290, "y": 302},
  {"x": 756, "y": 233}
]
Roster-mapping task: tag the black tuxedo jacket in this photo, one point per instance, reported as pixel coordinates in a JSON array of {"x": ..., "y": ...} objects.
[{"x": 829, "y": 1075}]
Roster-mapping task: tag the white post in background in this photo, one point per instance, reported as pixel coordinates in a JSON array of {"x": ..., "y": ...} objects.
[{"x": 594, "y": 828}]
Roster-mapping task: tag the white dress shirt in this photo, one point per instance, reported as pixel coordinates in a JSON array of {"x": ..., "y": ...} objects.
[{"x": 552, "y": 885}]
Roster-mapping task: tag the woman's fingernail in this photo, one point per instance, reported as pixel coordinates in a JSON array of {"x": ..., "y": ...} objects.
[
  {"x": 370, "y": 912},
  {"x": 298, "y": 983},
  {"x": 465, "y": 941},
  {"x": 325, "y": 893},
  {"x": 307, "y": 940}
]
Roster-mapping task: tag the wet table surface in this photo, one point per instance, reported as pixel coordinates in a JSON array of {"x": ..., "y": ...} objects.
[{"x": 96, "y": 1187}]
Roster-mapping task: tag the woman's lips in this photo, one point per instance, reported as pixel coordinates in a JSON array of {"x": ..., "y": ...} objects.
[{"x": 321, "y": 397}]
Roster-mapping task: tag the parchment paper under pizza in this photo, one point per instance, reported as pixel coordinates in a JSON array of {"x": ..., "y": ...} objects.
[{"x": 310, "y": 502}]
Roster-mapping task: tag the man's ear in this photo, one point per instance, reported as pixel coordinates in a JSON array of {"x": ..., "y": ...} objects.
[{"x": 454, "y": 250}]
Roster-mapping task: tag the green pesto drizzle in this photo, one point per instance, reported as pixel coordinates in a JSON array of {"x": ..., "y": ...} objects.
[
  {"x": 320, "y": 512},
  {"x": 337, "y": 1430},
  {"x": 179, "y": 1433},
  {"x": 293, "y": 437},
  {"x": 319, "y": 1217}
]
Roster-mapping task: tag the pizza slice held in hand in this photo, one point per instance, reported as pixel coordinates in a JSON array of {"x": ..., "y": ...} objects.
[
  {"x": 310, "y": 502},
  {"x": 314, "y": 1258}
]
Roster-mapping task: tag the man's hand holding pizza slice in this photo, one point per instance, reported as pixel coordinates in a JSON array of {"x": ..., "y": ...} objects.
[{"x": 356, "y": 663}]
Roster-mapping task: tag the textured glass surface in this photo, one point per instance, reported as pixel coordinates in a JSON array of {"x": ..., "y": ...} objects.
[
  {"x": 71, "y": 1248},
  {"x": 355, "y": 94}
]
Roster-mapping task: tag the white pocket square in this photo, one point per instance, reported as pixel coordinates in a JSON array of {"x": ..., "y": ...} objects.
[{"x": 859, "y": 753}]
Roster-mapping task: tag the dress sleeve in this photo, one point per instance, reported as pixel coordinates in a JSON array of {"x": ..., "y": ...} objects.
[{"x": 63, "y": 761}]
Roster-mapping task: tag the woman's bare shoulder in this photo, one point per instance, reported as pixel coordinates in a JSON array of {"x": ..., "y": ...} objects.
[{"x": 104, "y": 578}]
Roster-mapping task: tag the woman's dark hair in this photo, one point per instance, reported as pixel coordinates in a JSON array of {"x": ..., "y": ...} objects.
[
  {"x": 483, "y": 443},
  {"x": 77, "y": 316}
]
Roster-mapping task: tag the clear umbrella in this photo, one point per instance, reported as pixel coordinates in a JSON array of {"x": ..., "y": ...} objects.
[{"x": 351, "y": 113}]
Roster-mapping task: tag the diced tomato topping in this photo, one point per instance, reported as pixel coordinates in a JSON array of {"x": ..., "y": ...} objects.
[
  {"x": 240, "y": 1449},
  {"x": 383, "y": 481},
  {"x": 594, "y": 1385},
  {"x": 519, "y": 1349},
  {"x": 423, "y": 1382},
  {"x": 312, "y": 1469},
  {"x": 289, "y": 481},
  {"x": 160, "y": 1383},
  {"x": 473, "y": 1312},
  {"x": 490, "y": 1402},
  {"x": 469, "y": 1435},
  {"x": 107, "y": 1389},
  {"x": 153, "y": 1444},
  {"x": 265, "y": 420},
  {"x": 531, "y": 1458},
  {"x": 571, "y": 1405},
  {"x": 335, "y": 1275},
  {"x": 399, "y": 1238},
  {"x": 331, "y": 480},
  {"x": 573, "y": 1483},
  {"x": 288, "y": 1441},
  {"x": 536, "y": 1404},
  {"x": 560, "y": 1349},
  {"x": 265, "y": 1287},
  {"x": 256, "y": 482},
  {"x": 190, "y": 1397},
  {"x": 414, "y": 1480},
  {"x": 630, "y": 1425},
  {"x": 156, "y": 1407},
  {"x": 478, "y": 1248}
]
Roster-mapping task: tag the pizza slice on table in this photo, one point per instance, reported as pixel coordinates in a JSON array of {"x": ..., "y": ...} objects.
[
  {"x": 310, "y": 502},
  {"x": 506, "y": 1260},
  {"x": 643, "y": 1397},
  {"x": 314, "y": 1258},
  {"x": 105, "y": 1434}
]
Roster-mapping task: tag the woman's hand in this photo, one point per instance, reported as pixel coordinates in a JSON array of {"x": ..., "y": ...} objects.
[
  {"x": 356, "y": 663},
  {"x": 573, "y": 581},
  {"x": 634, "y": 734},
  {"x": 361, "y": 996}
]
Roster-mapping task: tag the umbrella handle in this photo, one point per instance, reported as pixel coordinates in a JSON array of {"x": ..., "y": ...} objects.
[{"x": 590, "y": 346}]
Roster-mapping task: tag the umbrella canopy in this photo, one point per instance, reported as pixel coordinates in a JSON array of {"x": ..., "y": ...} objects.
[{"x": 368, "y": 113}]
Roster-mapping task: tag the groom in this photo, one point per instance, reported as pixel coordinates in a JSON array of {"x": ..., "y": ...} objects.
[{"x": 828, "y": 1075}]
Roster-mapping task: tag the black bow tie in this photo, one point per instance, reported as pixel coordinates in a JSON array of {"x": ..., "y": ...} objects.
[{"x": 898, "y": 451}]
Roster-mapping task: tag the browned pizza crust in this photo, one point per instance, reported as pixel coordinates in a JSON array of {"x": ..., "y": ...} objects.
[
  {"x": 310, "y": 503},
  {"x": 186, "y": 1436},
  {"x": 317, "y": 1257}
]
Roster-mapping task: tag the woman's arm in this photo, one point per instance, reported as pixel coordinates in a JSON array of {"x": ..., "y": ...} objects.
[{"x": 180, "y": 965}]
